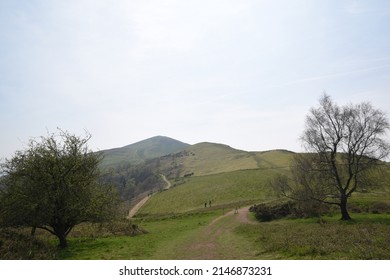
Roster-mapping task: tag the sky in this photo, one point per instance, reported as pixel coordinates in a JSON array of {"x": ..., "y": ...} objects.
[{"x": 242, "y": 73}]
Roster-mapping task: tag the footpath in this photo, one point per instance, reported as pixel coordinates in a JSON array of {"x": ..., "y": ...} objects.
[{"x": 138, "y": 206}]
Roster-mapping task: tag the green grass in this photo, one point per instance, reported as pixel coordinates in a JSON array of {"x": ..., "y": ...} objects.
[
  {"x": 274, "y": 159},
  {"x": 210, "y": 158},
  {"x": 139, "y": 152},
  {"x": 239, "y": 187},
  {"x": 366, "y": 237},
  {"x": 159, "y": 243}
]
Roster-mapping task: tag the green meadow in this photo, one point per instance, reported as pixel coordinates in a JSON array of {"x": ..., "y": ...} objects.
[{"x": 238, "y": 188}]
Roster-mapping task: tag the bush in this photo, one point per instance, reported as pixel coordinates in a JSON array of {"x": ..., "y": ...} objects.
[
  {"x": 122, "y": 227},
  {"x": 380, "y": 208},
  {"x": 17, "y": 245},
  {"x": 266, "y": 213},
  {"x": 310, "y": 208},
  {"x": 294, "y": 209}
]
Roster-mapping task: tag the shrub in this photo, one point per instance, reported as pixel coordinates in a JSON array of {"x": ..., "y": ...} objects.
[
  {"x": 294, "y": 209},
  {"x": 121, "y": 227},
  {"x": 380, "y": 208},
  {"x": 17, "y": 245},
  {"x": 266, "y": 213}
]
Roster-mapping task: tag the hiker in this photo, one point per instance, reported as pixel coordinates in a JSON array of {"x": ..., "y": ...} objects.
[
  {"x": 205, "y": 204},
  {"x": 236, "y": 210},
  {"x": 209, "y": 203}
]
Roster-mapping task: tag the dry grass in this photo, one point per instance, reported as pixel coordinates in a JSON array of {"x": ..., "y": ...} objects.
[
  {"x": 17, "y": 244},
  {"x": 367, "y": 238}
]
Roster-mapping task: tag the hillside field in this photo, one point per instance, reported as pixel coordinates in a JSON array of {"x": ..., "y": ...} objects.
[{"x": 242, "y": 187}]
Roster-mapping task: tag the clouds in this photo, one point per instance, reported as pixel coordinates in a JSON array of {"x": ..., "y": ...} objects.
[{"x": 226, "y": 71}]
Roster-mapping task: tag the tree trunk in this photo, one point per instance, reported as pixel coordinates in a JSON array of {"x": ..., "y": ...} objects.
[
  {"x": 63, "y": 241},
  {"x": 343, "y": 208}
]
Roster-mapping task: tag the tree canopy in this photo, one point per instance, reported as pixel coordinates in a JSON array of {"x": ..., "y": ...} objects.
[{"x": 54, "y": 185}]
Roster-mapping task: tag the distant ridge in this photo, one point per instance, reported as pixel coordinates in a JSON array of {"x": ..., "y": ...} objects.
[{"x": 141, "y": 151}]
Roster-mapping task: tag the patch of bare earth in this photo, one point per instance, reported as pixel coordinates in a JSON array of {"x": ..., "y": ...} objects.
[
  {"x": 138, "y": 206},
  {"x": 206, "y": 246}
]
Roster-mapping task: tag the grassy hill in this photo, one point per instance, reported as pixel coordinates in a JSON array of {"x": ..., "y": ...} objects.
[
  {"x": 136, "y": 169},
  {"x": 210, "y": 158},
  {"x": 231, "y": 189},
  {"x": 220, "y": 174},
  {"x": 139, "y": 152}
]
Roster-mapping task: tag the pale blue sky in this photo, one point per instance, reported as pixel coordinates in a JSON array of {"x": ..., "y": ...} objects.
[{"x": 243, "y": 73}]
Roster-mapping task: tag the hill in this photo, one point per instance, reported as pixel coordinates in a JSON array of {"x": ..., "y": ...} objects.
[
  {"x": 216, "y": 173},
  {"x": 136, "y": 169},
  {"x": 141, "y": 151},
  {"x": 211, "y": 158}
]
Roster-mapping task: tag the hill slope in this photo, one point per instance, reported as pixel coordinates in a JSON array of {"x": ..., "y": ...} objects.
[
  {"x": 139, "y": 152},
  {"x": 210, "y": 158},
  {"x": 137, "y": 170},
  {"x": 216, "y": 173}
]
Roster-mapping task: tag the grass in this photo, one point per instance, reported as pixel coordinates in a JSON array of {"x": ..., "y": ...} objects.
[
  {"x": 366, "y": 237},
  {"x": 238, "y": 187},
  {"x": 139, "y": 152},
  {"x": 18, "y": 244},
  {"x": 210, "y": 158},
  {"x": 159, "y": 243},
  {"x": 274, "y": 158}
]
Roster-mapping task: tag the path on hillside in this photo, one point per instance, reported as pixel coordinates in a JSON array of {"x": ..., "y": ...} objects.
[
  {"x": 166, "y": 181},
  {"x": 138, "y": 206},
  {"x": 208, "y": 246},
  {"x": 218, "y": 239}
]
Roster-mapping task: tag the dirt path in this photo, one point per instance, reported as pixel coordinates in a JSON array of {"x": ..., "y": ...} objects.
[
  {"x": 135, "y": 209},
  {"x": 166, "y": 181},
  {"x": 138, "y": 206},
  {"x": 219, "y": 241}
]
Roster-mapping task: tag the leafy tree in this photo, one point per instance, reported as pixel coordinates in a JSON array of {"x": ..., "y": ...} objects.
[
  {"x": 53, "y": 185},
  {"x": 345, "y": 144}
]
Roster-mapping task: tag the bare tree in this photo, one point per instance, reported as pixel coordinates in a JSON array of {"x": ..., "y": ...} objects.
[{"x": 345, "y": 144}]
